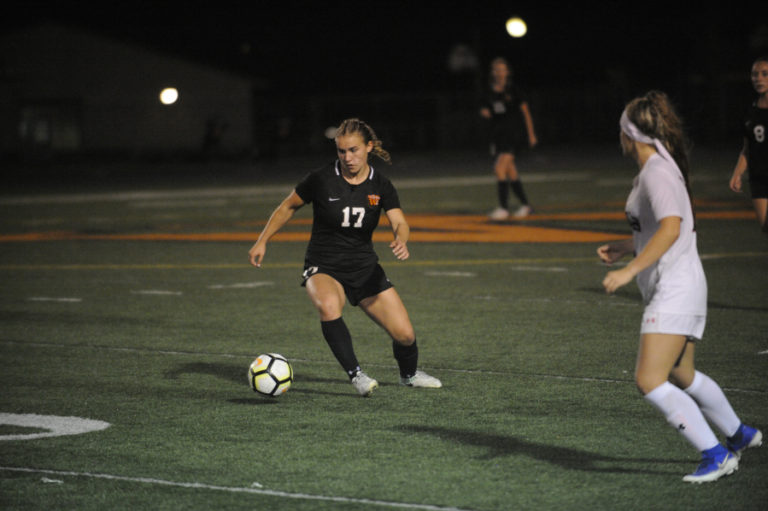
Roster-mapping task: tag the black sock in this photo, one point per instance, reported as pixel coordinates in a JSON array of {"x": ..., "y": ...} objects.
[
  {"x": 407, "y": 358},
  {"x": 517, "y": 188},
  {"x": 502, "y": 190},
  {"x": 339, "y": 339}
]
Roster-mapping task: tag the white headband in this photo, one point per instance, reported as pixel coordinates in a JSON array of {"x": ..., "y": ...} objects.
[{"x": 634, "y": 133}]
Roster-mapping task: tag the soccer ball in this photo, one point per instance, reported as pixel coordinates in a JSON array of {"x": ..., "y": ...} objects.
[{"x": 270, "y": 375}]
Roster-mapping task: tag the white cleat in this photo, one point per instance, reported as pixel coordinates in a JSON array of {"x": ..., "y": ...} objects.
[
  {"x": 523, "y": 211},
  {"x": 421, "y": 379},
  {"x": 499, "y": 214},
  {"x": 364, "y": 384}
]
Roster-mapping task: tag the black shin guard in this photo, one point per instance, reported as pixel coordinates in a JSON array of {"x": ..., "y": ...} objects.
[
  {"x": 407, "y": 358},
  {"x": 339, "y": 339}
]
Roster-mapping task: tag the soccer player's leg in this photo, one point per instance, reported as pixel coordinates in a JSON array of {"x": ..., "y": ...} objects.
[
  {"x": 327, "y": 295},
  {"x": 761, "y": 210},
  {"x": 659, "y": 358},
  {"x": 387, "y": 310}
]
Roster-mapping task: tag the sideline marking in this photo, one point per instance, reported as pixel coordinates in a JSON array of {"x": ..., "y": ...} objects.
[
  {"x": 49, "y": 299},
  {"x": 233, "y": 489},
  {"x": 158, "y": 292},
  {"x": 536, "y": 268},
  {"x": 450, "y": 274},
  {"x": 272, "y": 189},
  {"x": 291, "y": 265},
  {"x": 55, "y": 425},
  {"x": 243, "y": 285},
  {"x": 298, "y": 264}
]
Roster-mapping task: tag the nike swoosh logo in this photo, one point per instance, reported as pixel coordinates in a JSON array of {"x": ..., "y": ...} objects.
[{"x": 333, "y": 199}]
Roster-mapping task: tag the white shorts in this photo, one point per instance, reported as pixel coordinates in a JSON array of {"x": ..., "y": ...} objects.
[{"x": 688, "y": 325}]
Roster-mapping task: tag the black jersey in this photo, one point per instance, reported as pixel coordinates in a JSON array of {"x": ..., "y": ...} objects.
[
  {"x": 757, "y": 147},
  {"x": 508, "y": 132},
  {"x": 344, "y": 218}
]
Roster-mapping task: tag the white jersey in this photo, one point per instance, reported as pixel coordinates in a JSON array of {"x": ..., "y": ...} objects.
[{"x": 675, "y": 284}]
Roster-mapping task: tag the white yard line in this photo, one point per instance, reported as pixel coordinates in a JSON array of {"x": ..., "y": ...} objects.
[
  {"x": 232, "y": 489},
  {"x": 278, "y": 189}
]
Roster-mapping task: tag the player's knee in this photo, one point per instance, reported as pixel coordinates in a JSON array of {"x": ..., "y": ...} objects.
[
  {"x": 328, "y": 308},
  {"x": 646, "y": 383},
  {"x": 404, "y": 336}
]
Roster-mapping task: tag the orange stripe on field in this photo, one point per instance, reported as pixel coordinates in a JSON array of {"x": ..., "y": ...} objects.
[{"x": 425, "y": 228}]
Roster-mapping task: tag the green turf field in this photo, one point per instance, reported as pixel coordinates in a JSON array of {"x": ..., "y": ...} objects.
[{"x": 134, "y": 305}]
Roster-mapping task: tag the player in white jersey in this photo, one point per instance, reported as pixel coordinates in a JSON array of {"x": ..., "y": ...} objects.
[
  {"x": 348, "y": 197},
  {"x": 671, "y": 279}
]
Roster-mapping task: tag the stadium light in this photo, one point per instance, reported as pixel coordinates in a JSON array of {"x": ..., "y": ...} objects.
[
  {"x": 516, "y": 27},
  {"x": 169, "y": 95}
]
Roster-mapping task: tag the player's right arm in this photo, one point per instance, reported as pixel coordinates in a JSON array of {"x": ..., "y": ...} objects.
[
  {"x": 277, "y": 220},
  {"x": 661, "y": 241},
  {"x": 738, "y": 171},
  {"x": 612, "y": 252}
]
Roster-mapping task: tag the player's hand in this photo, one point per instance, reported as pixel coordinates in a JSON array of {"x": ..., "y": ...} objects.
[
  {"x": 615, "y": 279},
  {"x": 735, "y": 183},
  {"x": 400, "y": 249},
  {"x": 256, "y": 254},
  {"x": 533, "y": 141},
  {"x": 609, "y": 254}
]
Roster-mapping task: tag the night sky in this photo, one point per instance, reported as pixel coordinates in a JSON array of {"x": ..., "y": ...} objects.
[{"x": 397, "y": 46}]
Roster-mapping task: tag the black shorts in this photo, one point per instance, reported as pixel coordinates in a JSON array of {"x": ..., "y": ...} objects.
[
  {"x": 508, "y": 139},
  {"x": 506, "y": 145},
  {"x": 758, "y": 187},
  {"x": 375, "y": 284}
]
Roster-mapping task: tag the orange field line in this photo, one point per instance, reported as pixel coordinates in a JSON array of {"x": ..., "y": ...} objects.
[{"x": 424, "y": 227}]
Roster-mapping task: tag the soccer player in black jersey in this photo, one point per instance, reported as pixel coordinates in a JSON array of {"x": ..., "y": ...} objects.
[
  {"x": 340, "y": 264},
  {"x": 512, "y": 130},
  {"x": 754, "y": 155}
]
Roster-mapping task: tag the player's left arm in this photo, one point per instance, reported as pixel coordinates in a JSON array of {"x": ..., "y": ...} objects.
[
  {"x": 660, "y": 242},
  {"x": 402, "y": 232},
  {"x": 532, "y": 140}
]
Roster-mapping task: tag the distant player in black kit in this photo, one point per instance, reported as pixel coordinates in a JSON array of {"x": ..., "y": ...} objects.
[
  {"x": 754, "y": 155},
  {"x": 340, "y": 264},
  {"x": 512, "y": 130}
]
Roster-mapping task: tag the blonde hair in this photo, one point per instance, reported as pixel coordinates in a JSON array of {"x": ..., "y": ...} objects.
[
  {"x": 654, "y": 115},
  {"x": 352, "y": 126}
]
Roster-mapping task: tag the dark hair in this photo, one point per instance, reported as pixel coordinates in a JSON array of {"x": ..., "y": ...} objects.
[{"x": 350, "y": 126}]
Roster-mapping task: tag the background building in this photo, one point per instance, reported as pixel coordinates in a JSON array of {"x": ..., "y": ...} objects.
[{"x": 67, "y": 91}]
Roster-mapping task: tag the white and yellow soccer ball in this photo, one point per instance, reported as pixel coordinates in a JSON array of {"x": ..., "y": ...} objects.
[{"x": 270, "y": 374}]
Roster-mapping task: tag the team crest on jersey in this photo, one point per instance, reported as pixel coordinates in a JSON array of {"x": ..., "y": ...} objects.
[
  {"x": 634, "y": 222},
  {"x": 373, "y": 200}
]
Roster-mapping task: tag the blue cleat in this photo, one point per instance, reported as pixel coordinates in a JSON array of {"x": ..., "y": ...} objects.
[
  {"x": 715, "y": 463},
  {"x": 745, "y": 437}
]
